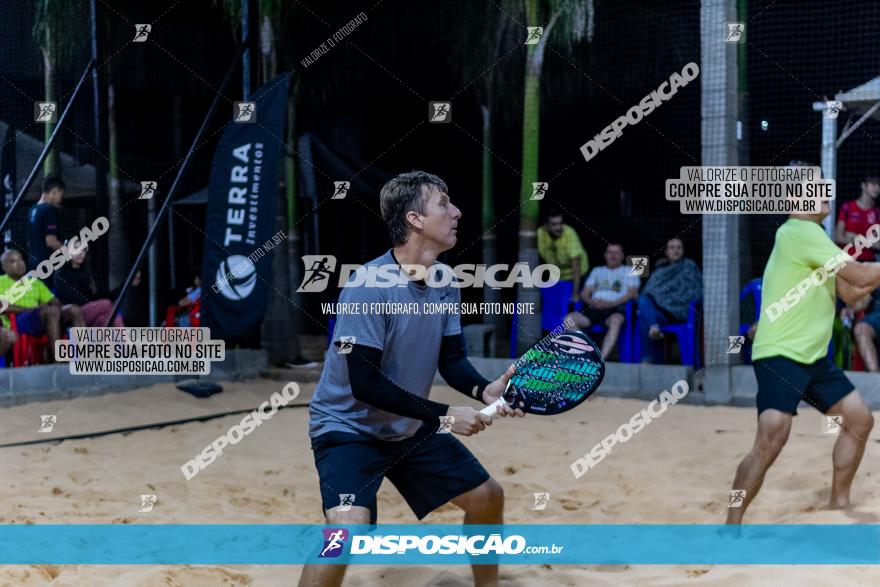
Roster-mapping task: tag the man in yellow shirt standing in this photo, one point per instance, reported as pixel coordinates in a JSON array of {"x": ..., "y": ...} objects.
[
  {"x": 559, "y": 244},
  {"x": 790, "y": 354}
]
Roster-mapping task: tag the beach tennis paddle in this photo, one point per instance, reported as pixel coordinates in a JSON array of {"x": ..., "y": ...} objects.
[{"x": 557, "y": 374}]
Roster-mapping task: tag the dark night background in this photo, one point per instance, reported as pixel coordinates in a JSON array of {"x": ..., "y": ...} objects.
[{"x": 368, "y": 97}]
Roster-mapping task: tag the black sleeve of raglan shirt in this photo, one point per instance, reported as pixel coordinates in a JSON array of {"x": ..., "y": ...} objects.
[
  {"x": 371, "y": 386},
  {"x": 457, "y": 371}
]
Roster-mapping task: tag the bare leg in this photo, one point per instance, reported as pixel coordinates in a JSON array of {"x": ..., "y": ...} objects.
[
  {"x": 72, "y": 315},
  {"x": 773, "y": 429},
  {"x": 7, "y": 339},
  {"x": 50, "y": 315},
  {"x": 331, "y": 575},
  {"x": 864, "y": 335},
  {"x": 577, "y": 319},
  {"x": 483, "y": 505},
  {"x": 850, "y": 445},
  {"x": 614, "y": 322}
]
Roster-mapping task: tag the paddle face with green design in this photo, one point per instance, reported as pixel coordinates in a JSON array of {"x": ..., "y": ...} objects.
[{"x": 555, "y": 375}]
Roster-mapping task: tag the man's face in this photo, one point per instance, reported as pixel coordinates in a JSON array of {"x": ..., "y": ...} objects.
[
  {"x": 674, "y": 250},
  {"x": 554, "y": 226},
  {"x": 871, "y": 188},
  {"x": 440, "y": 220},
  {"x": 55, "y": 196},
  {"x": 613, "y": 256},
  {"x": 13, "y": 265}
]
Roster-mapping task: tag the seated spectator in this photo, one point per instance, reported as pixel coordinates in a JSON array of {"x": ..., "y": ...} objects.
[
  {"x": 606, "y": 292},
  {"x": 559, "y": 244},
  {"x": 193, "y": 295},
  {"x": 37, "y": 310},
  {"x": 74, "y": 284},
  {"x": 857, "y": 216},
  {"x": 675, "y": 282},
  {"x": 867, "y": 329}
]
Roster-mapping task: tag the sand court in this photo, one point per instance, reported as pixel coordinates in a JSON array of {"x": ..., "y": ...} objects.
[{"x": 677, "y": 470}]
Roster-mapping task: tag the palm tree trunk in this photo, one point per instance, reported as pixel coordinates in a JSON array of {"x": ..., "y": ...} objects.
[
  {"x": 529, "y": 325},
  {"x": 50, "y": 165},
  {"x": 117, "y": 243},
  {"x": 490, "y": 244},
  {"x": 280, "y": 336},
  {"x": 294, "y": 242}
]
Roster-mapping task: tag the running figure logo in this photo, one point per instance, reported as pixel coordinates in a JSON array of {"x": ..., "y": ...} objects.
[
  {"x": 334, "y": 541},
  {"x": 534, "y": 34},
  {"x": 148, "y": 188},
  {"x": 541, "y": 500},
  {"x": 319, "y": 268},
  {"x": 245, "y": 112},
  {"x": 736, "y": 498},
  {"x": 446, "y": 423},
  {"x": 735, "y": 344},
  {"x": 346, "y": 344},
  {"x": 440, "y": 112},
  {"x": 147, "y": 502},
  {"x": 638, "y": 266},
  {"x": 539, "y": 189},
  {"x": 341, "y": 189},
  {"x": 832, "y": 108},
  {"x": 735, "y": 32},
  {"x": 346, "y": 500},
  {"x": 141, "y": 32},
  {"x": 833, "y": 424},
  {"x": 45, "y": 111},
  {"x": 47, "y": 422}
]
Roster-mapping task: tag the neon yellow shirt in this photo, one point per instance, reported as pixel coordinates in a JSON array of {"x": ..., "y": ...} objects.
[
  {"x": 34, "y": 293},
  {"x": 803, "y": 330},
  {"x": 562, "y": 250}
]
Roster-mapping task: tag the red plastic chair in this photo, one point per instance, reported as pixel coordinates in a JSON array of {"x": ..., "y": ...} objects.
[
  {"x": 28, "y": 349},
  {"x": 194, "y": 312}
]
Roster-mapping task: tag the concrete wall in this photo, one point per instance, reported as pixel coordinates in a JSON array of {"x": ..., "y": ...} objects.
[{"x": 53, "y": 382}]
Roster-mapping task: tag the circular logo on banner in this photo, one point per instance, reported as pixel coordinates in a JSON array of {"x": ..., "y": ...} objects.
[
  {"x": 572, "y": 344},
  {"x": 241, "y": 274}
]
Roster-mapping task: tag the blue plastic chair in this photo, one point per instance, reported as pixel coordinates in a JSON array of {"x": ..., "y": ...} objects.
[
  {"x": 554, "y": 304},
  {"x": 625, "y": 344},
  {"x": 752, "y": 288},
  {"x": 686, "y": 335}
]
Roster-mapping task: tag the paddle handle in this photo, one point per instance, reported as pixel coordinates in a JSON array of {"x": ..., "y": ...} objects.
[{"x": 492, "y": 408}]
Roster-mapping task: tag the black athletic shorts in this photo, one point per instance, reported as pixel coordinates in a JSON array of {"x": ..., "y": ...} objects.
[
  {"x": 428, "y": 469},
  {"x": 783, "y": 383},
  {"x": 599, "y": 316}
]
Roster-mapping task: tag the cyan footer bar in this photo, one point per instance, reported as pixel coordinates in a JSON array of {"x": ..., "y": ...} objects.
[{"x": 561, "y": 544}]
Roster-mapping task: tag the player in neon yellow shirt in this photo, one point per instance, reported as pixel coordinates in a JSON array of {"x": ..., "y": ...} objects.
[{"x": 804, "y": 272}]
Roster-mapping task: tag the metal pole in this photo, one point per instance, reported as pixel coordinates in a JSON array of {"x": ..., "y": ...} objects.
[
  {"x": 249, "y": 35},
  {"x": 101, "y": 204},
  {"x": 153, "y": 267},
  {"x": 165, "y": 204},
  {"x": 47, "y": 147}
]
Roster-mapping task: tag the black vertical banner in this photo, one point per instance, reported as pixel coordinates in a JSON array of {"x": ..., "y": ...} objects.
[
  {"x": 237, "y": 266},
  {"x": 8, "y": 183}
]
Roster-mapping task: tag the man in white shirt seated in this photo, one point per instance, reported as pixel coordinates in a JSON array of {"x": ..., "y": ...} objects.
[{"x": 605, "y": 294}]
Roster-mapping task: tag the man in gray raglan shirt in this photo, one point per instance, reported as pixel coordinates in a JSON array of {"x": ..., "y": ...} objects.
[{"x": 370, "y": 415}]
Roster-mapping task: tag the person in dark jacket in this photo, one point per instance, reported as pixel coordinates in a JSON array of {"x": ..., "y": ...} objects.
[
  {"x": 75, "y": 284},
  {"x": 674, "y": 284}
]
